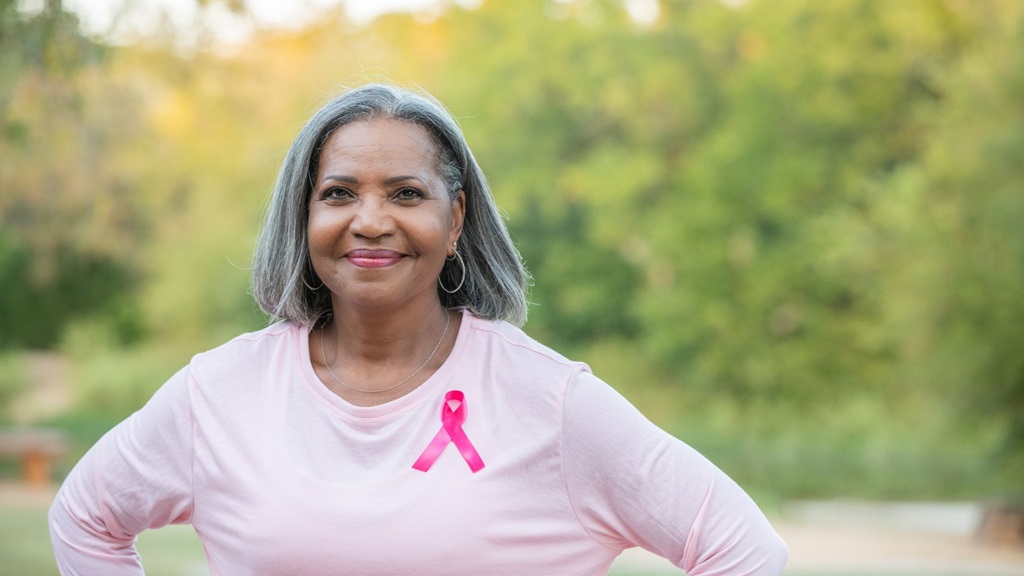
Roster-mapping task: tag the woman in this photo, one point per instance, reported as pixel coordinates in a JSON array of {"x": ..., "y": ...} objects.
[{"x": 396, "y": 421}]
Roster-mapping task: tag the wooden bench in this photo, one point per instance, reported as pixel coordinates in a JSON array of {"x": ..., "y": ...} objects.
[
  {"x": 1002, "y": 525},
  {"x": 36, "y": 449}
]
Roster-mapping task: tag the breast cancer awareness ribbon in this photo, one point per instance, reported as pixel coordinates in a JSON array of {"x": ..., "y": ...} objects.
[{"x": 452, "y": 419}]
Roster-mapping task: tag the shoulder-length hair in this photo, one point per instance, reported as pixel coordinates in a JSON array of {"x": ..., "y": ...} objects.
[{"x": 283, "y": 281}]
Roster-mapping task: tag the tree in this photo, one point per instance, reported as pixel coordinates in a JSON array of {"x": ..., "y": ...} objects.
[
  {"x": 763, "y": 286},
  {"x": 956, "y": 288},
  {"x": 66, "y": 218}
]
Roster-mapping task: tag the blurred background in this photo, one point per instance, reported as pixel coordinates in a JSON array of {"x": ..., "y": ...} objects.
[{"x": 790, "y": 231}]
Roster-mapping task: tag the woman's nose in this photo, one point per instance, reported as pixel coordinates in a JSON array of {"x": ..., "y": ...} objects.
[{"x": 373, "y": 218}]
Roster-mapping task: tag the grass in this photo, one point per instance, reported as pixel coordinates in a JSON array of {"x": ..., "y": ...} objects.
[
  {"x": 25, "y": 541},
  {"x": 13, "y": 380}
]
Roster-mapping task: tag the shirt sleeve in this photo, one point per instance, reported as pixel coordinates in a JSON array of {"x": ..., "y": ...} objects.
[
  {"x": 632, "y": 484},
  {"x": 138, "y": 476}
]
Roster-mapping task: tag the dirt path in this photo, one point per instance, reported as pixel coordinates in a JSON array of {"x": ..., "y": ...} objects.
[
  {"x": 839, "y": 550},
  {"x": 874, "y": 539}
]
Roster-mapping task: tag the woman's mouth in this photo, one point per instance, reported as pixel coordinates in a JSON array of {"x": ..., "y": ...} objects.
[{"x": 373, "y": 258}]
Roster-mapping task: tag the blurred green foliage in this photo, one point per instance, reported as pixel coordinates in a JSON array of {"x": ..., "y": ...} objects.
[
  {"x": 14, "y": 381},
  {"x": 34, "y": 310},
  {"x": 790, "y": 230}
]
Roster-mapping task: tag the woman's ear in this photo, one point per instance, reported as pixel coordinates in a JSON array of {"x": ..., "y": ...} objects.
[{"x": 458, "y": 217}]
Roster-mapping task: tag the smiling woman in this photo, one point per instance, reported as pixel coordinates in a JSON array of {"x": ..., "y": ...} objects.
[
  {"x": 396, "y": 420},
  {"x": 381, "y": 220}
]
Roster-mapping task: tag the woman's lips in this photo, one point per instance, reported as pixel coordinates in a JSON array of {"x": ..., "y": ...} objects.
[{"x": 373, "y": 258}]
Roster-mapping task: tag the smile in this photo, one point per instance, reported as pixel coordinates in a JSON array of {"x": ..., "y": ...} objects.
[{"x": 373, "y": 258}]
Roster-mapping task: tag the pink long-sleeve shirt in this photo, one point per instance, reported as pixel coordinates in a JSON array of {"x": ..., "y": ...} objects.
[{"x": 278, "y": 475}]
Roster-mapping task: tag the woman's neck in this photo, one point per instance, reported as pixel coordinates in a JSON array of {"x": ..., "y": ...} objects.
[
  {"x": 369, "y": 358},
  {"x": 383, "y": 335}
]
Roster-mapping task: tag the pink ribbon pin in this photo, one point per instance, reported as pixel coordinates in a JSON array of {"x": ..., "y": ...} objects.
[{"x": 452, "y": 418}]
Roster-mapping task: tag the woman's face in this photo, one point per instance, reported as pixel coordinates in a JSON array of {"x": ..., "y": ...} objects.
[{"x": 380, "y": 219}]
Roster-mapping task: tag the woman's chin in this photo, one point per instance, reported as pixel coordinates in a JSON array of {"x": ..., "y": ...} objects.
[{"x": 375, "y": 297}]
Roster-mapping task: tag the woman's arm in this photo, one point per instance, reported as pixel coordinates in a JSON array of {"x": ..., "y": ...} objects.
[
  {"x": 633, "y": 484},
  {"x": 138, "y": 476}
]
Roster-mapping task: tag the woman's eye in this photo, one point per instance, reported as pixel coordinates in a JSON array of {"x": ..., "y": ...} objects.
[
  {"x": 335, "y": 193},
  {"x": 408, "y": 194}
]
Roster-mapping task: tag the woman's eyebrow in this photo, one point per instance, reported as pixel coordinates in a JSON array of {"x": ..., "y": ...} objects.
[
  {"x": 397, "y": 179},
  {"x": 353, "y": 180},
  {"x": 338, "y": 178}
]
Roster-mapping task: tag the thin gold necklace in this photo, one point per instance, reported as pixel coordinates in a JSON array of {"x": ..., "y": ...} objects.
[{"x": 323, "y": 356}]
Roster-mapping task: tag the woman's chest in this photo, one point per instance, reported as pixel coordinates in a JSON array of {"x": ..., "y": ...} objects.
[{"x": 312, "y": 496}]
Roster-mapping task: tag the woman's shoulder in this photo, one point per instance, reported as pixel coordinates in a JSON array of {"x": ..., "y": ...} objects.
[
  {"x": 269, "y": 344},
  {"x": 516, "y": 343}
]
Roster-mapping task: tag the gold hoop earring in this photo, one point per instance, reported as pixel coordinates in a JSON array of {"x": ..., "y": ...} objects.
[
  {"x": 455, "y": 256},
  {"x": 309, "y": 266},
  {"x": 312, "y": 289}
]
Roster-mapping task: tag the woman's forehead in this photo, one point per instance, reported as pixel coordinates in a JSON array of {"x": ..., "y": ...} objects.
[{"x": 379, "y": 137}]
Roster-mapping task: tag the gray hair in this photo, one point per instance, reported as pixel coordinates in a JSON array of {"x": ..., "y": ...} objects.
[{"x": 283, "y": 281}]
